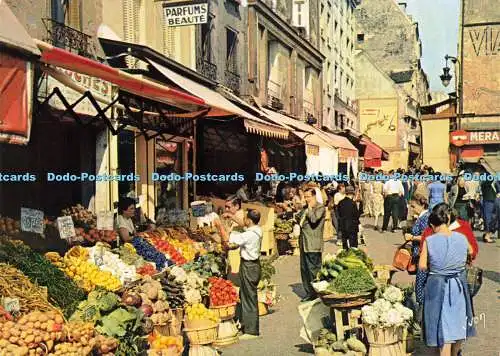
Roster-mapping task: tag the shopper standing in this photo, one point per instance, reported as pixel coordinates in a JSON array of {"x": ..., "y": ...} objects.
[
  {"x": 311, "y": 220},
  {"x": 448, "y": 315},
  {"x": 249, "y": 243},
  {"x": 377, "y": 201},
  {"x": 349, "y": 213},
  {"x": 489, "y": 195},
  {"x": 436, "y": 191},
  {"x": 393, "y": 191},
  {"x": 337, "y": 198},
  {"x": 366, "y": 188},
  {"x": 458, "y": 198}
]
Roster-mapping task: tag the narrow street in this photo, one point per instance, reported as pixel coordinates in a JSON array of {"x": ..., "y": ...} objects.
[{"x": 280, "y": 329}]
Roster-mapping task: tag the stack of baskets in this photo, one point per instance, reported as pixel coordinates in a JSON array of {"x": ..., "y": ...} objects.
[
  {"x": 173, "y": 327},
  {"x": 227, "y": 332}
]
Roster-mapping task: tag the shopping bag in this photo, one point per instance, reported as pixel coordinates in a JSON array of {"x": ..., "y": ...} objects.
[
  {"x": 402, "y": 257},
  {"x": 474, "y": 279}
]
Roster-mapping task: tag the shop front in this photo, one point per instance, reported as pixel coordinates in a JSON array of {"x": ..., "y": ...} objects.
[{"x": 477, "y": 148}]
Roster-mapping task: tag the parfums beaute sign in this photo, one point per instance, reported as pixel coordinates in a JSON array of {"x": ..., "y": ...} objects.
[{"x": 186, "y": 13}]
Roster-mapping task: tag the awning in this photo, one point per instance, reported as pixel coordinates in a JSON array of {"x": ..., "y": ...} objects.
[
  {"x": 372, "y": 155},
  {"x": 312, "y": 139},
  {"x": 471, "y": 154},
  {"x": 220, "y": 106},
  {"x": 13, "y": 34},
  {"x": 491, "y": 164},
  {"x": 55, "y": 56}
]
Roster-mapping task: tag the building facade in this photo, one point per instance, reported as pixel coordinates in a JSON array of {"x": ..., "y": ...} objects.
[
  {"x": 478, "y": 85},
  {"x": 337, "y": 33},
  {"x": 389, "y": 40},
  {"x": 285, "y": 64}
]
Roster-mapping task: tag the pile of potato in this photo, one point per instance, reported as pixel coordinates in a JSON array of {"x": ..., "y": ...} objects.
[
  {"x": 81, "y": 216},
  {"x": 9, "y": 226}
]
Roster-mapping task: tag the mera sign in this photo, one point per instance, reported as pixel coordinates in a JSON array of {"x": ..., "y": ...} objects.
[
  {"x": 461, "y": 138},
  {"x": 186, "y": 13}
]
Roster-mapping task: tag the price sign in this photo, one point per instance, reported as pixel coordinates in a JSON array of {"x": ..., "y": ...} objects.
[
  {"x": 32, "y": 220},
  {"x": 105, "y": 220},
  {"x": 66, "y": 227}
]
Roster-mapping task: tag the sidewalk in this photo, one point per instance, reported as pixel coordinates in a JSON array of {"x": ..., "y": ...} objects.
[{"x": 280, "y": 329}]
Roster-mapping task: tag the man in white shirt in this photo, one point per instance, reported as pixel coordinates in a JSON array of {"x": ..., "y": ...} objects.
[
  {"x": 249, "y": 243},
  {"x": 393, "y": 190}
]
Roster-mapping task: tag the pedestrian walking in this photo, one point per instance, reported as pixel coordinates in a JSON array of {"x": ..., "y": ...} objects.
[
  {"x": 458, "y": 198},
  {"x": 377, "y": 201},
  {"x": 249, "y": 243},
  {"x": 448, "y": 315},
  {"x": 366, "y": 189},
  {"x": 337, "y": 198},
  {"x": 436, "y": 191},
  {"x": 489, "y": 196},
  {"x": 393, "y": 190},
  {"x": 349, "y": 213},
  {"x": 497, "y": 208},
  {"x": 311, "y": 221}
]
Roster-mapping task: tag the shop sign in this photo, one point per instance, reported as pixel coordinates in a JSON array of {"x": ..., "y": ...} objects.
[
  {"x": 96, "y": 86},
  {"x": 32, "y": 220},
  {"x": 186, "y": 13},
  {"x": 461, "y": 137},
  {"x": 66, "y": 227},
  {"x": 105, "y": 220}
]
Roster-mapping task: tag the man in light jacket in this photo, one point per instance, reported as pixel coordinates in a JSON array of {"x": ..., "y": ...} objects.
[{"x": 311, "y": 220}]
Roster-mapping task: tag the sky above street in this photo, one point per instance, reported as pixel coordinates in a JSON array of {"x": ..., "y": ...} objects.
[{"x": 438, "y": 26}]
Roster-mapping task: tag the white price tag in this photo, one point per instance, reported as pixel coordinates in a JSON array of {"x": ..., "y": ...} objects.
[
  {"x": 32, "y": 220},
  {"x": 66, "y": 227},
  {"x": 105, "y": 220}
]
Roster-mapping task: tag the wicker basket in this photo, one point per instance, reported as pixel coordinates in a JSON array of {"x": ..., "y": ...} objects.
[
  {"x": 383, "y": 336},
  {"x": 281, "y": 236},
  {"x": 348, "y": 300},
  {"x": 202, "y": 336},
  {"x": 168, "y": 329},
  {"x": 224, "y": 312}
]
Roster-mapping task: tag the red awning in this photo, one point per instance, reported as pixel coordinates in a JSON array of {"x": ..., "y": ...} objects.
[
  {"x": 143, "y": 87},
  {"x": 373, "y": 163},
  {"x": 372, "y": 151},
  {"x": 472, "y": 154}
]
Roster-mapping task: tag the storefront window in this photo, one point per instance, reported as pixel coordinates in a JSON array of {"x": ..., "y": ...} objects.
[{"x": 168, "y": 161}]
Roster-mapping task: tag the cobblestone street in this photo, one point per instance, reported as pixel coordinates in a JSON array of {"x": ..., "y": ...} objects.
[{"x": 280, "y": 329}]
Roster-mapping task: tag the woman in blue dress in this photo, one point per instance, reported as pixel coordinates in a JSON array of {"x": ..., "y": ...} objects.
[{"x": 448, "y": 315}]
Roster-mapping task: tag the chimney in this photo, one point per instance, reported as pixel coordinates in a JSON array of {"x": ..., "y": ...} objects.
[{"x": 403, "y": 6}]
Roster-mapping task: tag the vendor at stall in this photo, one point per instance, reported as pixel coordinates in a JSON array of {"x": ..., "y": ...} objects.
[
  {"x": 123, "y": 222},
  {"x": 234, "y": 214},
  {"x": 249, "y": 243}
]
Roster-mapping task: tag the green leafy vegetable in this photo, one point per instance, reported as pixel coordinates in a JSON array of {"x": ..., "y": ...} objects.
[{"x": 353, "y": 280}]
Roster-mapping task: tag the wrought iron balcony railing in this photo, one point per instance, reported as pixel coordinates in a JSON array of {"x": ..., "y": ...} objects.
[
  {"x": 232, "y": 81},
  {"x": 60, "y": 35},
  {"x": 207, "y": 69}
]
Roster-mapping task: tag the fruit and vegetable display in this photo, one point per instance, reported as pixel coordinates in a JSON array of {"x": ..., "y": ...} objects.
[
  {"x": 15, "y": 285},
  {"x": 160, "y": 344},
  {"x": 9, "y": 226},
  {"x": 207, "y": 266},
  {"x": 222, "y": 292},
  {"x": 62, "y": 292},
  {"x": 129, "y": 255},
  {"x": 199, "y": 312},
  {"x": 347, "y": 272},
  {"x": 87, "y": 275},
  {"x": 147, "y": 270},
  {"x": 195, "y": 287},
  {"x": 81, "y": 217},
  {"x": 174, "y": 290},
  {"x": 153, "y": 300},
  {"x": 283, "y": 226},
  {"x": 150, "y": 253},
  {"x": 167, "y": 248},
  {"x": 94, "y": 235},
  {"x": 107, "y": 261},
  {"x": 328, "y": 345}
]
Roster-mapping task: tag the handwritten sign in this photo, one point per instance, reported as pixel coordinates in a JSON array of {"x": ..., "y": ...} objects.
[
  {"x": 105, "y": 220},
  {"x": 32, "y": 220},
  {"x": 66, "y": 227}
]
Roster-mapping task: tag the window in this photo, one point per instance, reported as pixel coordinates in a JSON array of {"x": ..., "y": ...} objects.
[
  {"x": 336, "y": 25},
  {"x": 73, "y": 14},
  {"x": 361, "y": 37},
  {"x": 231, "y": 50},
  {"x": 206, "y": 40},
  {"x": 336, "y": 118}
]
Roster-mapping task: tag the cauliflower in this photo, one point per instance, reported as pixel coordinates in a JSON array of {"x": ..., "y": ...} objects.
[{"x": 393, "y": 294}]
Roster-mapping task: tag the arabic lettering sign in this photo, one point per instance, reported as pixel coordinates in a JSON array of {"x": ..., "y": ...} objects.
[
  {"x": 66, "y": 227},
  {"x": 105, "y": 220},
  {"x": 186, "y": 13},
  {"x": 32, "y": 220}
]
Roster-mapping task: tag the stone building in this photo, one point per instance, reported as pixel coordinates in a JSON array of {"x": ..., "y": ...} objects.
[
  {"x": 389, "y": 39},
  {"x": 337, "y": 33},
  {"x": 285, "y": 64}
]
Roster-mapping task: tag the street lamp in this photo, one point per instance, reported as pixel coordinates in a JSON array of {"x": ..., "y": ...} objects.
[{"x": 446, "y": 76}]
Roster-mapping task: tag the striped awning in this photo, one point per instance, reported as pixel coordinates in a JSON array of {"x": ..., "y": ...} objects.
[{"x": 260, "y": 127}]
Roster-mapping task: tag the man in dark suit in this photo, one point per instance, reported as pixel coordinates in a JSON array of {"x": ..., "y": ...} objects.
[
  {"x": 349, "y": 219},
  {"x": 311, "y": 220}
]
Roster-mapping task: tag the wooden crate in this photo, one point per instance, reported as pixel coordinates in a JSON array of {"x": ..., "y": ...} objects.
[{"x": 346, "y": 319}]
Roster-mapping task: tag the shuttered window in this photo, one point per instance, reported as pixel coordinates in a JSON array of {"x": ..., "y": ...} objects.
[
  {"x": 131, "y": 24},
  {"x": 73, "y": 14},
  {"x": 232, "y": 50},
  {"x": 169, "y": 34}
]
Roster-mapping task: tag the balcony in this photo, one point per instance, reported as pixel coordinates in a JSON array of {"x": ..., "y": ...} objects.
[
  {"x": 68, "y": 38},
  {"x": 274, "y": 95},
  {"x": 308, "y": 109},
  {"x": 232, "y": 81},
  {"x": 207, "y": 69}
]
